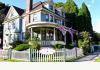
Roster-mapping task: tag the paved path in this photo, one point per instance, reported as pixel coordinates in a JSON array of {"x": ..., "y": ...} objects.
[{"x": 90, "y": 58}]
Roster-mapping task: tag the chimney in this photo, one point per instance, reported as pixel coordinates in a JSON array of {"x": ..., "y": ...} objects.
[{"x": 29, "y": 5}]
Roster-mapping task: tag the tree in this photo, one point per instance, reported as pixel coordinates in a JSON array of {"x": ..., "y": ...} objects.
[
  {"x": 96, "y": 37},
  {"x": 84, "y": 42},
  {"x": 84, "y": 18},
  {"x": 58, "y": 4},
  {"x": 71, "y": 10}
]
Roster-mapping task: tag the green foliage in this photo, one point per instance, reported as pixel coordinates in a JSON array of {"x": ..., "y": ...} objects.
[
  {"x": 71, "y": 10},
  {"x": 34, "y": 44},
  {"x": 97, "y": 59},
  {"x": 27, "y": 35},
  {"x": 70, "y": 46},
  {"x": 79, "y": 19},
  {"x": 58, "y": 46},
  {"x": 83, "y": 42},
  {"x": 22, "y": 47},
  {"x": 84, "y": 20},
  {"x": 15, "y": 43},
  {"x": 71, "y": 7},
  {"x": 96, "y": 38},
  {"x": 58, "y": 5}
]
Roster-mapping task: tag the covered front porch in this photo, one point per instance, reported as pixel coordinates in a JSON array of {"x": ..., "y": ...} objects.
[
  {"x": 47, "y": 36},
  {"x": 51, "y": 33}
]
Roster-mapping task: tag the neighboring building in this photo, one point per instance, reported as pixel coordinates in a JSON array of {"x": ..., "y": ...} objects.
[
  {"x": 13, "y": 26},
  {"x": 3, "y": 12},
  {"x": 40, "y": 18}
]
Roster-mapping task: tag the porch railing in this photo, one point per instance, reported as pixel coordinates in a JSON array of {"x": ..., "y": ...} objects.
[{"x": 50, "y": 43}]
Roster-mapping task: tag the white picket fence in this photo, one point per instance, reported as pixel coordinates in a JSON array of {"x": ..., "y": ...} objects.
[
  {"x": 4, "y": 54},
  {"x": 35, "y": 56},
  {"x": 55, "y": 57},
  {"x": 59, "y": 56}
]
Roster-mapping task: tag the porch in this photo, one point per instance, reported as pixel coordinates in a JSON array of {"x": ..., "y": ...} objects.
[{"x": 47, "y": 36}]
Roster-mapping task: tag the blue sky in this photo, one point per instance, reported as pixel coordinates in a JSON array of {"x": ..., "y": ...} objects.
[{"x": 93, "y": 6}]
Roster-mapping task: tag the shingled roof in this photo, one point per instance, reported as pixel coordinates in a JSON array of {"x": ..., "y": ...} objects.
[
  {"x": 36, "y": 4},
  {"x": 19, "y": 10}
]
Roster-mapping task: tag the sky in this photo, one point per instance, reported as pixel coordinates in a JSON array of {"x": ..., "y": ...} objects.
[{"x": 93, "y": 6}]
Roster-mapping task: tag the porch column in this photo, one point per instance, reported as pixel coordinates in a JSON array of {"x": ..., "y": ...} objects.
[
  {"x": 54, "y": 34},
  {"x": 40, "y": 34},
  {"x": 31, "y": 33}
]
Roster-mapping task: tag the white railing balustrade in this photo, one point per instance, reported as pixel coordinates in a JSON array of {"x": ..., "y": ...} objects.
[{"x": 49, "y": 43}]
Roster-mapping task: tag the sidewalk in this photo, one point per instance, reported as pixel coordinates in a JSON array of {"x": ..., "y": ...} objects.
[{"x": 89, "y": 58}]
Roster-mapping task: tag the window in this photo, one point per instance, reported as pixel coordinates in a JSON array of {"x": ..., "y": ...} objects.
[
  {"x": 51, "y": 7},
  {"x": 55, "y": 20},
  {"x": 51, "y": 18},
  {"x": 63, "y": 22},
  {"x": 13, "y": 25},
  {"x": 34, "y": 17},
  {"x": 46, "y": 17}
]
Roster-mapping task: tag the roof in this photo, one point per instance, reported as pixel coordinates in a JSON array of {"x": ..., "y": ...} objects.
[
  {"x": 36, "y": 4},
  {"x": 19, "y": 10}
]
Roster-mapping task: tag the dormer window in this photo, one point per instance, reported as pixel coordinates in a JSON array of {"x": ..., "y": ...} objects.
[{"x": 50, "y": 7}]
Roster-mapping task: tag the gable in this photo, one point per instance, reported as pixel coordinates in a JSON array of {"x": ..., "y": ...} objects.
[{"x": 12, "y": 13}]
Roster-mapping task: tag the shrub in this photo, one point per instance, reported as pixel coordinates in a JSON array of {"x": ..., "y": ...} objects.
[
  {"x": 22, "y": 47},
  {"x": 27, "y": 35},
  {"x": 83, "y": 42},
  {"x": 58, "y": 46},
  {"x": 15, "y": 43},
  {"x": 70, "y": 46},
  {"x": 34, "y": 45}
]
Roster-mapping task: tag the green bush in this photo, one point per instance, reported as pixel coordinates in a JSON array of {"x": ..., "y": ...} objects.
[
  {"x": 34, "y": 44},
  {"x": 15, "y": 43},
  {"x": 22, "y": 47},
  {"x": 58, "y": 46},
  {"x": 27, "y": 35},
  {"x": 83, "y": 42},
  {"x": 70, "y": 46}
]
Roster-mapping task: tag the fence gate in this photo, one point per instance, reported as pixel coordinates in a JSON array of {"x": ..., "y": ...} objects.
[{"x": 57, "y": 56}]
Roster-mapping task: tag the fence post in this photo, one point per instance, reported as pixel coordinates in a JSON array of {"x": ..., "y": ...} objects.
[
  {"x": 76, "y": 51},
  {"x": 30, "y": 55},
  {"x": 75, "y": 48},
  {"x": 64, "y": 55},
  {"x": 9, "y": 53}
]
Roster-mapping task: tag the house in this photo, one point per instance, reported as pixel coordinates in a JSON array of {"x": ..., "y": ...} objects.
[
  {"x": 41, "y": 19},
  {"x": 3, "y": 12},
  {"x": 12, "y": 26}
]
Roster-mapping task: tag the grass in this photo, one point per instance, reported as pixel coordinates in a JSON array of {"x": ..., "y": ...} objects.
[
  {"x": 8, "y": 60},
  {"x": 15, "y": 60},
  {"x": 98, "y": 59},
  {"x": 1, "y": 59}
]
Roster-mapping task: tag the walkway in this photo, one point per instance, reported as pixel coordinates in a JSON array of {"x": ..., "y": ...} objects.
[{"x": 90, "y": 58}]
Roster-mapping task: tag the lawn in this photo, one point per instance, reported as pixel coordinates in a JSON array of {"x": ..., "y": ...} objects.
[
  {"x": 98, "y": 59},
  {"x": 8, "y": 60}
]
